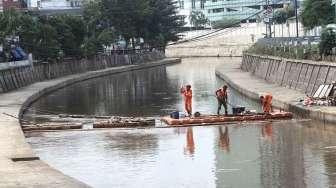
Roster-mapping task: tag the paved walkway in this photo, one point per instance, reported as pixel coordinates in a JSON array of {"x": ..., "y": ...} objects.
[
  {"x": 36, "y": 173},
  {"x": 285, "y": 98}
]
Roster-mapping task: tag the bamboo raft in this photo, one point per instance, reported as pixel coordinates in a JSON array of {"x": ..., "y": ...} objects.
[
  {"x": 214, "y": 119},
  {"x": 52, "y": 127},
  {"x": 121, "y": 122}
]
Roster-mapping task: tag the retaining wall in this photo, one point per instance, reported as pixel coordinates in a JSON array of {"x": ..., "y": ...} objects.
[
  {"x": 302, "y": 75},
  {"x": 14, "y": 77}
]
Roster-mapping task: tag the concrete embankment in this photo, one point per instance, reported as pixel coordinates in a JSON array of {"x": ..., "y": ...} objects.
[
  {"x": 20, "y": 167},
  {"x": 15, "y": 75},
  {"x": 288, "y": 80},
  {"x": 301, "y": 75}
]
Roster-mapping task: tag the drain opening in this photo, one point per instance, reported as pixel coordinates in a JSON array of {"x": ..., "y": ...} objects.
[{"x": 18, "y": 159}]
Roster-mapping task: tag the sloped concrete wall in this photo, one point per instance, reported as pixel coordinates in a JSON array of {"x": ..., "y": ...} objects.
[{"x": 302, "y": 75}]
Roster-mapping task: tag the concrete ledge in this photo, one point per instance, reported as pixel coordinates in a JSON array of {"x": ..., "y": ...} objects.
[
  {"x": 284, "y": 98},
  {"x": 304, "y": 61},
  {"x": 28, "y": 171},
  {"x": 201, "y": 56}
]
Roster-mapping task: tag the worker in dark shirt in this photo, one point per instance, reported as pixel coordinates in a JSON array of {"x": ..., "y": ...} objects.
[{"x": 222, "y": 98}]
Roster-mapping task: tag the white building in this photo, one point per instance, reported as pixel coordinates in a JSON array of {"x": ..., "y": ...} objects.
[
  {"x": 1, "y": 7},
  {"x": 54, "y": 4},
  {"x": 185, "y": 7}
]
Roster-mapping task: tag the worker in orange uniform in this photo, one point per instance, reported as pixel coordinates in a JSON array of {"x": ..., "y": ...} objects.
[
  {"x": 222, "y": 98},
  {"x": 266, "y": 102},
  {"x": 187, "y": 93}
]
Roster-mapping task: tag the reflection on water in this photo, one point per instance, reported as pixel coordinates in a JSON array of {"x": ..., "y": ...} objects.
[
  {"x": 264, "y": 154},
  {"x": 224, "y": 139},
  {"x": 190, "y": 148},
  {"x": 247, "y": 155}
]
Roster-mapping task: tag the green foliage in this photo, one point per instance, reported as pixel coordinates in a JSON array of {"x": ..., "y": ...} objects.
[
  {"x": 225, "y": 23},
  {"x": 317, "y": 13},
  {"x": 163, "y": 24},
  {"x": 102, "y": 23},
  {"x": 156, "y": 21},
  {"x": 9, "y": 23},
  {"x": 280, "y": 16},
  {"x": 328, "y": 41},
  {"x": 198, "y": 19},
  {"x": 290, "y": 10}
]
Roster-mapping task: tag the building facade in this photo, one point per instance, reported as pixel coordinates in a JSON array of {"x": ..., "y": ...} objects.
[
  {"x": 1, "y": 7},
  {"x": 247, "y": 10},
  {"x": 214, "y": 10},
  {"x": 13, "y": 4},
  {"x": 185, "y": 7},
  {"x": 54, "y": 4}
]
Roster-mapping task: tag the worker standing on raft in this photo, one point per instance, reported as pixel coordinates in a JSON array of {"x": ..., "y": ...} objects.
[
  {"x": 266, "y": 102},
  {"x": 222, "y": 98},
  {"x": 187, "y": 93}
]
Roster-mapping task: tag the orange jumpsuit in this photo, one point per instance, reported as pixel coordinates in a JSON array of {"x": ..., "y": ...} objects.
[
  {"x": 267, "y": 103},
  {"x": 187, "y": 101}
]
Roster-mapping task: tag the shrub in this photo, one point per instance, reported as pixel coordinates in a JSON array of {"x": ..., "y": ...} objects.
[
  {"x": 225, "y": 23},
  {"x": 328, "y": 41}
]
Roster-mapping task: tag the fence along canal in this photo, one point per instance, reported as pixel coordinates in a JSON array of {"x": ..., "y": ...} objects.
[{"x": 14, "y": 75}]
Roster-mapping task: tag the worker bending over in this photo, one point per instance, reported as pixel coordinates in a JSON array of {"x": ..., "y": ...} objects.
[
  {"x": 266, "y": 102},
  {"x": 222, "y": 98},
  {"x": 187, "y": 93}
]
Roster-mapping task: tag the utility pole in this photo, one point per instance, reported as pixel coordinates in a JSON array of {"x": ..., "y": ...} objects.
[
  {"x": 296, "y": 18},
  {"x": 268, "y": 20}
]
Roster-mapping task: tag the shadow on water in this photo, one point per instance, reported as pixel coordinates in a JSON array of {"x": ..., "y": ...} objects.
[{"x": 291, "y": 153}]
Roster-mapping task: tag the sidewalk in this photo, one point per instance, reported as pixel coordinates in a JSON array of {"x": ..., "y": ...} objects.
[
  {"x": 32, "y": 172},
  {"x": 285, "y": 98}
]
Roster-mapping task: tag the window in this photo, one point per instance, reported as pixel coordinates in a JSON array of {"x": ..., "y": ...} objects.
[
  {"x": 182, "y": 4},
  {"x": 202, "y": 4},
  {"x": 193, "y": 4},
  {"x": 216, "y": 10}
]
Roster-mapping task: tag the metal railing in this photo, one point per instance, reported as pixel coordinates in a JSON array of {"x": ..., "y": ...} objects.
[{"x": 289, "y": 41}]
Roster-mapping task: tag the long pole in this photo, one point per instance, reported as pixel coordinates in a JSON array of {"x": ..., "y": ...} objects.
[
  {"x": 296, "y": 18},
  {"x": 266, "y": 5}
]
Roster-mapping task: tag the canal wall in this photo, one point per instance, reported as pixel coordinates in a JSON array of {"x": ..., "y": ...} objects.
[
  {"x": 301, "y": 75},
  {"x": 20, "y": 167},
  {"x": 254, "y": 76},
  {"x": 15, "y": 75}
]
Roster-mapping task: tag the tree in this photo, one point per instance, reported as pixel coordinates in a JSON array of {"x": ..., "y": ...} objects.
[
  {"x": 280, "y": 17},
  {"x": 48, "y": 47},
  {"x": 99, "y": 32},
  {"x": 163, "y": 25},
  {"x": 127, "y": 16},
  {"x": 78, "y": 29},
  {"x": 29, "y": 33},
  {"x": 317, "y": 13},
  {"x": 156, "y": 21},
  {"x": 9, "y": 23},
  {"x": 328, "y": 41},
  {"x": 198, "y": 19}
]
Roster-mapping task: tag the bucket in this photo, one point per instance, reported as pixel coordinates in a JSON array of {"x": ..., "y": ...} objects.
[
  {"x": 238, "y": 110},
  {"x": 181, "y": 115},
  {"x": 175, "y": 115}
]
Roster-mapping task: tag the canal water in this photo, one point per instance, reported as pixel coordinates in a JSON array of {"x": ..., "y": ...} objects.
[{"x": 294, "y": 153}]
